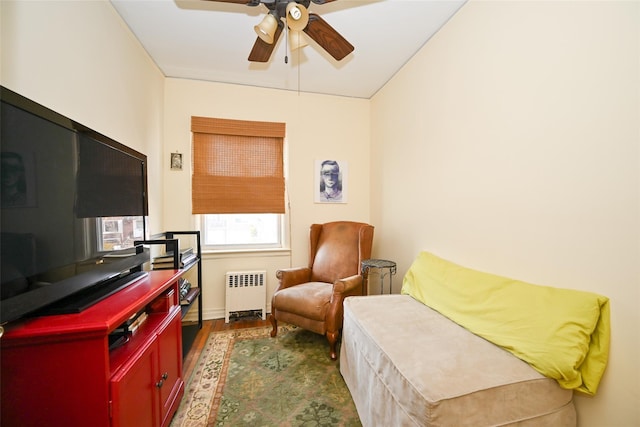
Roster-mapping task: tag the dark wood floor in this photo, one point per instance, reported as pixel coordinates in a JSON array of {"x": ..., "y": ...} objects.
[{"x": 215, "y": 325}]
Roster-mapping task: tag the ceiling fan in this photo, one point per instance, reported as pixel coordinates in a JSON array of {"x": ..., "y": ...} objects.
[{"x": 297, "y": 17}]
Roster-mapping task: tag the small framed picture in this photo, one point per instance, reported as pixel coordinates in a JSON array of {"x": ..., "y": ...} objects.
[
  {"x": 176, "y": 161},
  {"x": 331, "y": 181}
]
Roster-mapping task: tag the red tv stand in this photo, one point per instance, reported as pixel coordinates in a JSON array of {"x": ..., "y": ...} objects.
[{"x": 58, "y": 370}]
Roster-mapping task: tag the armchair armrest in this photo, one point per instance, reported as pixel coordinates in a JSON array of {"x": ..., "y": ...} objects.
[
  {"x": 293, "y": 276},
  {"x": 348, "y": 287},
  {"x": 351, "y": 286}
]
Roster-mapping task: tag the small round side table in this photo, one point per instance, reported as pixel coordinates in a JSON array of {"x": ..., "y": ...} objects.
[{"x": 388, "y": 270}]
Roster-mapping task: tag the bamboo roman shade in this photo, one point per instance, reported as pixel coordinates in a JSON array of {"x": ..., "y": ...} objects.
[{"x": 237, "y": 166}]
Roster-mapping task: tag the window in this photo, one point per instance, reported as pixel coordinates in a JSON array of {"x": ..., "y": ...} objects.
[
  {"x": 119, "y": 232},
  {"x": 238, "y": 182},
  {"x": 256, "y": 231}
]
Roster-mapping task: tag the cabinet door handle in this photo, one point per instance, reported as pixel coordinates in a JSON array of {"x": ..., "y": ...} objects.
[
  {"x": 165, "y": 375},
  {"x": 159, "y": 383}
]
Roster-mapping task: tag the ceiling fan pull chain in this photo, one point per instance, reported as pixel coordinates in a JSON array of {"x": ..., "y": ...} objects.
[{"x": 286, "y": 47}]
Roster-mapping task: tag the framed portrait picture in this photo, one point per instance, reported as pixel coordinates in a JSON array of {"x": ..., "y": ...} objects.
[
  {"x": 331, "y": 183},
  {"x": 176, "y": 161}
]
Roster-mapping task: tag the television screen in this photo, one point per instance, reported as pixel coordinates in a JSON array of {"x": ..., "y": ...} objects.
[{"x": 72, "y": 203}]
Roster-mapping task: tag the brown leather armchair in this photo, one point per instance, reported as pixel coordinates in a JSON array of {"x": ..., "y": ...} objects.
[{"x": 311, "y": 297}]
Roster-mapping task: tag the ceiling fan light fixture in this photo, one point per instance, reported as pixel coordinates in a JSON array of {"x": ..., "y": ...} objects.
[
  {"x": 297, "y": 16},
  {"x": 267, "y": 28},
  {"x": 297, "y": 40}
]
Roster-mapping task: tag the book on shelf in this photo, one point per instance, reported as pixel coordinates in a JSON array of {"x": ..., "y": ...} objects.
[
  {"x": 183, "y": 286},
  {"x": 167, "y": 262},
  {"x": 169, "y": 255},
  {"x": 190, "y": 296},
  {"x": 137, "y": 323},
  {"x": 131, "y": 324}
]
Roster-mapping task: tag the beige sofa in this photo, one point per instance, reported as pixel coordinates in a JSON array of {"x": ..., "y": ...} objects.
[{"x": 407, "y": 364}]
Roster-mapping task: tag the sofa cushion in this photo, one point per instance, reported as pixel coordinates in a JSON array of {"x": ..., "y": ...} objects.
[
  {"x": 562, "y": 333},
  {"x": 406, "y": 364}
]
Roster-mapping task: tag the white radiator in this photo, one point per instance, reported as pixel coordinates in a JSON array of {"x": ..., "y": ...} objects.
[{"x": 245, "y": 290}]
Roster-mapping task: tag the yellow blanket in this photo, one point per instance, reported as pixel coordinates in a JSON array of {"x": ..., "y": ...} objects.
[{"x": 564, "y": 334}]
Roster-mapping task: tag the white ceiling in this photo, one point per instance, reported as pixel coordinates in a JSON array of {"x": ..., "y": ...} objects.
[{"x": 209, "y": 40}]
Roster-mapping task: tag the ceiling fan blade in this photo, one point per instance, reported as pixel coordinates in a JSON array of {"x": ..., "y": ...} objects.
[
  {"x": 261, "y": 51},
  {"x": 327, "y": 37}
]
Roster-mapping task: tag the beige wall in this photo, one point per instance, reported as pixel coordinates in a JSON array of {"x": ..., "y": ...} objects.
[
  {"x": 79, "y": 59},
  {"x": 510, "y": 144},
  {"x": 317, "y": 127}
]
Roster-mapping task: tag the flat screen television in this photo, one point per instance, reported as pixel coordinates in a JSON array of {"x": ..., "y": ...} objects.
[{"x": 73, "y": 201}]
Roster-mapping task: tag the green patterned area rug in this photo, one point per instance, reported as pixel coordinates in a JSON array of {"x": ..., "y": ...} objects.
[{"x": 246, "y": 378}]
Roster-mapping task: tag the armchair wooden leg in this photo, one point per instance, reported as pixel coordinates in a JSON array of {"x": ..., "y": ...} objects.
[
  {"x": 332, "y": 337},
  {"x": 274, "y": 324}
]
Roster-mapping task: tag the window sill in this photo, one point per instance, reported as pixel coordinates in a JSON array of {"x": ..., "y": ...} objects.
[{"x": 245, "y": 253}]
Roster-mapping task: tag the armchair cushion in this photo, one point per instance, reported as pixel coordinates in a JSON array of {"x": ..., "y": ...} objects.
[{"x": 307, "y": 299}]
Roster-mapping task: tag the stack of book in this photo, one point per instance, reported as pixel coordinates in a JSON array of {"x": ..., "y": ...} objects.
[
  {"x": 184, "y": 287},
  {"x": 131, "y": 325},
  {"x": 164, "y": 261},
  {"x": 187, "y": 293}
]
